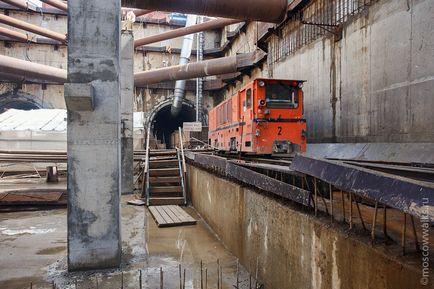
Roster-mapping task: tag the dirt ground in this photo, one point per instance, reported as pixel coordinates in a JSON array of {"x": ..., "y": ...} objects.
[{"x": 33, "y": 250}]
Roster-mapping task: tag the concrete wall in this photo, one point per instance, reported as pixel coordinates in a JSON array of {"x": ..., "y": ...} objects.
[
  {"x": 374, "y": 85},
  {"x": 294, "y": 249},
  {"x": 56, "y": 55}
]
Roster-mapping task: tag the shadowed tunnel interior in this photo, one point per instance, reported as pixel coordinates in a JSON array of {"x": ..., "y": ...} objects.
[
  {"x": 164, "y": 124},
  {"x": 16, "y": 102}
]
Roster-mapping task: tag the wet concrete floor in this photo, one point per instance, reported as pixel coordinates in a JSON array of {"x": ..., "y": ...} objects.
[{"x": 33, "y": 250}]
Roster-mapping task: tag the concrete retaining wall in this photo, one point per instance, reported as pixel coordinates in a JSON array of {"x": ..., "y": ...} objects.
[
  {"x": 374, "y": 85},
  {"x": 294, "y": 250}
]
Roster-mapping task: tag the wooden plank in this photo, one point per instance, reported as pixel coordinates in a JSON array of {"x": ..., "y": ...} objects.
[
  {"x": 171, "y": 215},
  {"x": 165, "y": 215},
  {"x": 161, "y": 201},
  {"x": 164, "y": 172},
  {"x": 186, "y": 218},
  {"x": 185, "y": 214},
  {"x": 157, "y": 217},
  {"x": 166, "y": 189}
]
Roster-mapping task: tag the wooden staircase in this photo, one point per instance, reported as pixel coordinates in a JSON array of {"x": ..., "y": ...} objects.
[{"x": 165, "y": 180}]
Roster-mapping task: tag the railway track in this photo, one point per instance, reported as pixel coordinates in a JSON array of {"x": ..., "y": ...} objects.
[{"x": 417, "y": 171}]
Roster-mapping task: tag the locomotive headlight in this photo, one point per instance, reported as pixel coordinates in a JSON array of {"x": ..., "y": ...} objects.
[
  {"x": 300, "y": 85},
  {"x": 262, "y": 102},
  {"x": 261, "y": 83},
  {"x": 258, "y": 133}
]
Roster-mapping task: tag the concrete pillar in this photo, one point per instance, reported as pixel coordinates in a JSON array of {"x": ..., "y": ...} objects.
[
  {"x": 127, "y": 98},
  {"x": 92, "y": 95}
]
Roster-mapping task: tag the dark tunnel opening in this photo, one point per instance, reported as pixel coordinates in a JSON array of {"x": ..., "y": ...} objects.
[
  {"x": 17, "y": 104},
  {"x": 164, "y": 124}
]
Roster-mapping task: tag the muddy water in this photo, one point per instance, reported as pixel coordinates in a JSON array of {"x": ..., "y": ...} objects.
[{"x": 33, "y": 249}]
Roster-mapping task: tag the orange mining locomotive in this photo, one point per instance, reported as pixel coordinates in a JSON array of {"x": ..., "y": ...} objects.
[{"x": 264, "y": 117}]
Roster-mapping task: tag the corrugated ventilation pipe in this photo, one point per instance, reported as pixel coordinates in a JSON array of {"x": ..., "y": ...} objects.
[{"x": 187, "y": 45}]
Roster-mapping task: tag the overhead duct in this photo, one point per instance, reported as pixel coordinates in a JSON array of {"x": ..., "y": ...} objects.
[
  {"x": 256, "y": 10},
  {"x": 212, "y": 24},
  {"x": 14, "y": 34},
  {"x": 197, "y": 69},
  {"x": 217, "y": 66},
  {"x": 63, "y": 6},
  {"x": 32, "y": 28},
  {"x": 187, "y": 45},
  {"x": 31, "y": 70},
  {"x": 137, "y": 12}
]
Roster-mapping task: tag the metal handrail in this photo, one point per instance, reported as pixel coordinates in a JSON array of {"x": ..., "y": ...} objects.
[
  {"x": 146, "y": 168},
  {"x": 181, "y": 144},
  {"x": 184, "y": 167}
]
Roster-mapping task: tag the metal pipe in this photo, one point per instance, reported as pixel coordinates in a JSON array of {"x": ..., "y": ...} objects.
[
  {"x": 212, "y": 24},
  {"x": 138, "y": 12},
  {"x": 255, "y": 10},
  {"x": 32, "y": 70},
  {"x": 187, "y": 46},
  {"x": 14, "y": 34},
  {"x": 32, "y": 28},
  {"x": 58, "y": 4},
  {"x": 199, "y": 95},
  {"x": 64, "y": 6},
  {"x": 216, "y": 66},
  {"x": 25, "y": 5}
]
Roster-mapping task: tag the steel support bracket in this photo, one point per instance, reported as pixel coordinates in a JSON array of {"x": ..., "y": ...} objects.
[
  {"x": 407, "y": 195},
  {"x": 79, "y": 96}
]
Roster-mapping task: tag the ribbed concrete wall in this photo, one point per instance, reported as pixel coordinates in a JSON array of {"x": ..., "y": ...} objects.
[
  {"x": 380, "y": 76},
  {"x": 294, "y": 250}
]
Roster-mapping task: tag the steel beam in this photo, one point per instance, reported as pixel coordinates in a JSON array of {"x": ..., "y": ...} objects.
[
  {"x": 255, "y": 10},
  {"x": 409, "y": 196},
  {"x": 32, "y": 28},
  {"x": 31, "y": 70},
  {"x": 212, "y": 24},
  {"x": 257, "y": 180}
]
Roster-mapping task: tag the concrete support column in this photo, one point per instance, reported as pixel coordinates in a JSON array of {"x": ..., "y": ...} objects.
[
  {"x": 127, "y": 98},
  {"x": 92, "y": 95}
]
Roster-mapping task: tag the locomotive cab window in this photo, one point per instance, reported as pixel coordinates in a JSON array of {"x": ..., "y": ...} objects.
[
  {"x": 248, "y": 102},
  {"x": 280, "y": 95}
]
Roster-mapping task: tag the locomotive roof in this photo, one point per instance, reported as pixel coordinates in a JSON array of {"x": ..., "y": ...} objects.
[{"x": 276, "y": 79}]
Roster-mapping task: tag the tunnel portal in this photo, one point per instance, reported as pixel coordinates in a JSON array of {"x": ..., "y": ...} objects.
[
  {"x": 164, "y": 124},
  {"x": 22, "y": 102}
]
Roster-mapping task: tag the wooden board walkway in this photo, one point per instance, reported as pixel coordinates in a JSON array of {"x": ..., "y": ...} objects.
[{"x": 170, "y": 216}]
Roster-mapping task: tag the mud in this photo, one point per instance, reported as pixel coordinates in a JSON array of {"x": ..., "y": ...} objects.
[{"x": 37, "y": 253}]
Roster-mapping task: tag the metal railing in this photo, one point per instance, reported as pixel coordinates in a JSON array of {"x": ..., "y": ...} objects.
[
  {"x": 316, "y": 19},
  {"x": 182, "y": 167},
  {"x": 145, "y": 175}
]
